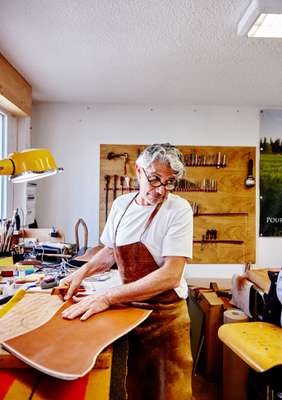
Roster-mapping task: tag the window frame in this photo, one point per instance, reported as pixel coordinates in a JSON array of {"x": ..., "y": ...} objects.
[{"x": 3, "y": 154}]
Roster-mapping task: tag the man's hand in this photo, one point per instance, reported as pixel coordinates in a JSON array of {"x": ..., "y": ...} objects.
[
  {"x": 73, "y": 281},
  {"x": 87, "y": 306},
  {"x": 100, "y": 262}
]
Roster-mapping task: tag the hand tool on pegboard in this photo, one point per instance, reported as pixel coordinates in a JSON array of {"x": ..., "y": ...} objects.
[
  {"x": 124, "y": 157},
  {"x": 107, "y": 188},
  {"x": 136, "y": 183},
  {"x": 218, "y": 163},
  {"x": 121, "y": 179},
  {"x": 115, "y": 187},
  {"x": 129, "y": 188},
  {"x": 126, "y": 177},
  {"x": 250, "y": 180}
]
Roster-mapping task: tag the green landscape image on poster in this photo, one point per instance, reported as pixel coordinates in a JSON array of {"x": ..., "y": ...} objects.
[{"x": 271, "y": 173}]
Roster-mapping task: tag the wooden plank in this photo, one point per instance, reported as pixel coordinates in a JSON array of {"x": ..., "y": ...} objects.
[
  {"x": 213, "y": 308},
  {"x": 259, "y": 344},
  {"x": 14, "y": 89},
  {"x": 232, "y": 197}
]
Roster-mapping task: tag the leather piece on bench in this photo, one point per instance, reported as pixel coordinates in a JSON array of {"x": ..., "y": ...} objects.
[
  {"x": 33, "y": 310},
  {"x": 67, "y": 349}
]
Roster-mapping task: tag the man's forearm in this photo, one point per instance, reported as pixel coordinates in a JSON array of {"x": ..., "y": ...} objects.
[{"x": 100, "y": 262}]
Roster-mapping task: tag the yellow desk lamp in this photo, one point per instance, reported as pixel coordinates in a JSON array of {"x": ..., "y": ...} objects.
[{"x": 29, "y": 165}]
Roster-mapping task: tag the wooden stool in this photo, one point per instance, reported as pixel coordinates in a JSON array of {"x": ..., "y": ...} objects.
[{"x": 254, "y": 344}]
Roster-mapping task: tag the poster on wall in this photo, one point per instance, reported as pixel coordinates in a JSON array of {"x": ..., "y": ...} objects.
[{"x": 270, "y": 173}]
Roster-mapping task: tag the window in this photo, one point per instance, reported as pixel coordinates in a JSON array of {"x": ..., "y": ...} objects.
[{"x": 3, "y": 154}]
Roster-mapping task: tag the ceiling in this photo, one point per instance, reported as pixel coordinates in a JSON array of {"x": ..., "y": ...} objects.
[{"x": 140, "y": 52}]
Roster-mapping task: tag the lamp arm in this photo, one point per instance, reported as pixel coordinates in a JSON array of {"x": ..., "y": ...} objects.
[{"x": 7, "y": 167}]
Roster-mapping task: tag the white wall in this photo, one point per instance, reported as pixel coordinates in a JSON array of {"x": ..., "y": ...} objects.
[{"x": 74, "y": 133}]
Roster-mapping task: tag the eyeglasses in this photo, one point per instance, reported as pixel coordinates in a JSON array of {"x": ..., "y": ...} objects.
[{"x": 156, "y": 182}]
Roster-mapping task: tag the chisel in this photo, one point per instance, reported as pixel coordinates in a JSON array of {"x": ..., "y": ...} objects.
[
  {"x": 121, "y": 179},
  {"x": 107, "y": 186},
  {"x": 115, "y": 186}
]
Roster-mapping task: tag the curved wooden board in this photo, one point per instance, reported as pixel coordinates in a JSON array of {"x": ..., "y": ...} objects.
[
  {"x": 67, "y": 349},
  {"x": 259, "y": 344}
]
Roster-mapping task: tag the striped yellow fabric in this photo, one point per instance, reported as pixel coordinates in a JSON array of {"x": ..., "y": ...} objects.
[
  {"x": 98, "y": 384},
  {"x": 17, "y": 384},
  {"x": 95, "y": 385}
]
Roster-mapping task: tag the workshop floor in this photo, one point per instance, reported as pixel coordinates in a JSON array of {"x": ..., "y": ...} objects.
[{"x": 204, "y": 390}]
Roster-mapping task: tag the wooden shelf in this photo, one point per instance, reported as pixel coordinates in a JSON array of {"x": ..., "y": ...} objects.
[
  {"x": 231, "y": 214},
  {"x": 194, "y": 190},
  {"x": 219, "y": 241},
  {"x": 206, "y": 165}
]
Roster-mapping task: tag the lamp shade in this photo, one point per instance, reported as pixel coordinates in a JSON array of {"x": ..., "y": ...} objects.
[{"x": 29, "y": 165}]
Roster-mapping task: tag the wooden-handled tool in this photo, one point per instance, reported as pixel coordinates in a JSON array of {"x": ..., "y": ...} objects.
[
  {"x": 107, "y": 188},
  {"x": 115, "y": 186},
  {"x": 121, "y": 179}
]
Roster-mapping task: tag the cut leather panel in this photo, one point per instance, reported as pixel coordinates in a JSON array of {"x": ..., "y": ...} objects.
[{"x": 67, "y": 349}]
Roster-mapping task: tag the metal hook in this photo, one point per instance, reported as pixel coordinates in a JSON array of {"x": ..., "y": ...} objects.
[{"x": 113, "y": 155}]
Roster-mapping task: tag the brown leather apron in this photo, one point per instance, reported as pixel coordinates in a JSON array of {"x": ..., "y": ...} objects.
[{"x": 159, "y": 356}]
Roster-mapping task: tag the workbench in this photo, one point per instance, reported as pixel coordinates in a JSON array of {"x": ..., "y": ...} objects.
[{"x": 255, "y": 345}]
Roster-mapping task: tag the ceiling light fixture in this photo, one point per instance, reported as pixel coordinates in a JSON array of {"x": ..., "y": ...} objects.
[{"x": 263, "y": 18}]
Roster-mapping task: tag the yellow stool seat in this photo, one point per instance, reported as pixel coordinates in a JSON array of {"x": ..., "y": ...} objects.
[{"x": 258, "y": 344}]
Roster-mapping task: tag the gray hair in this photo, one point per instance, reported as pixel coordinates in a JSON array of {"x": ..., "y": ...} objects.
[{"x": 166, "y": 153}]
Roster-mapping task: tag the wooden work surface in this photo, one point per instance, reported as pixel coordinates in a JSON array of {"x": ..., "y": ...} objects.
[
  {"x": 258, "y": 344},
  {"x": 230, "y": 210},
  {"x": 31, "y": 312}
]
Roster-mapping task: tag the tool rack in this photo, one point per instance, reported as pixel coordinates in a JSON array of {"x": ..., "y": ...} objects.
[{"x": 215, "y": 187}]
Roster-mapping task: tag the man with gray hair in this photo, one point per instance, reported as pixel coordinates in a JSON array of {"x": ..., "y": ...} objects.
[{"x": 148, "y": 235}]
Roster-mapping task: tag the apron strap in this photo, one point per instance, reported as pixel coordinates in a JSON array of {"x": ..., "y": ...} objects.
[
  {"x": 122, "y": 215},
  {"x": 150, "y": 219}
]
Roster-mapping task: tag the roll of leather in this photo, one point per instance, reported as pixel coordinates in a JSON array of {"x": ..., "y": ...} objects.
[{"x": 231, "y": 316}]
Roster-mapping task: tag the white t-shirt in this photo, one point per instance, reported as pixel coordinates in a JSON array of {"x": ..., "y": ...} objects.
[{"x": 170, "y": 233}]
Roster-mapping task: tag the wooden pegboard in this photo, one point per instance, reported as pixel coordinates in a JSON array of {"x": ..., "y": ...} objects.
[{"x": 214, "y": 186}]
